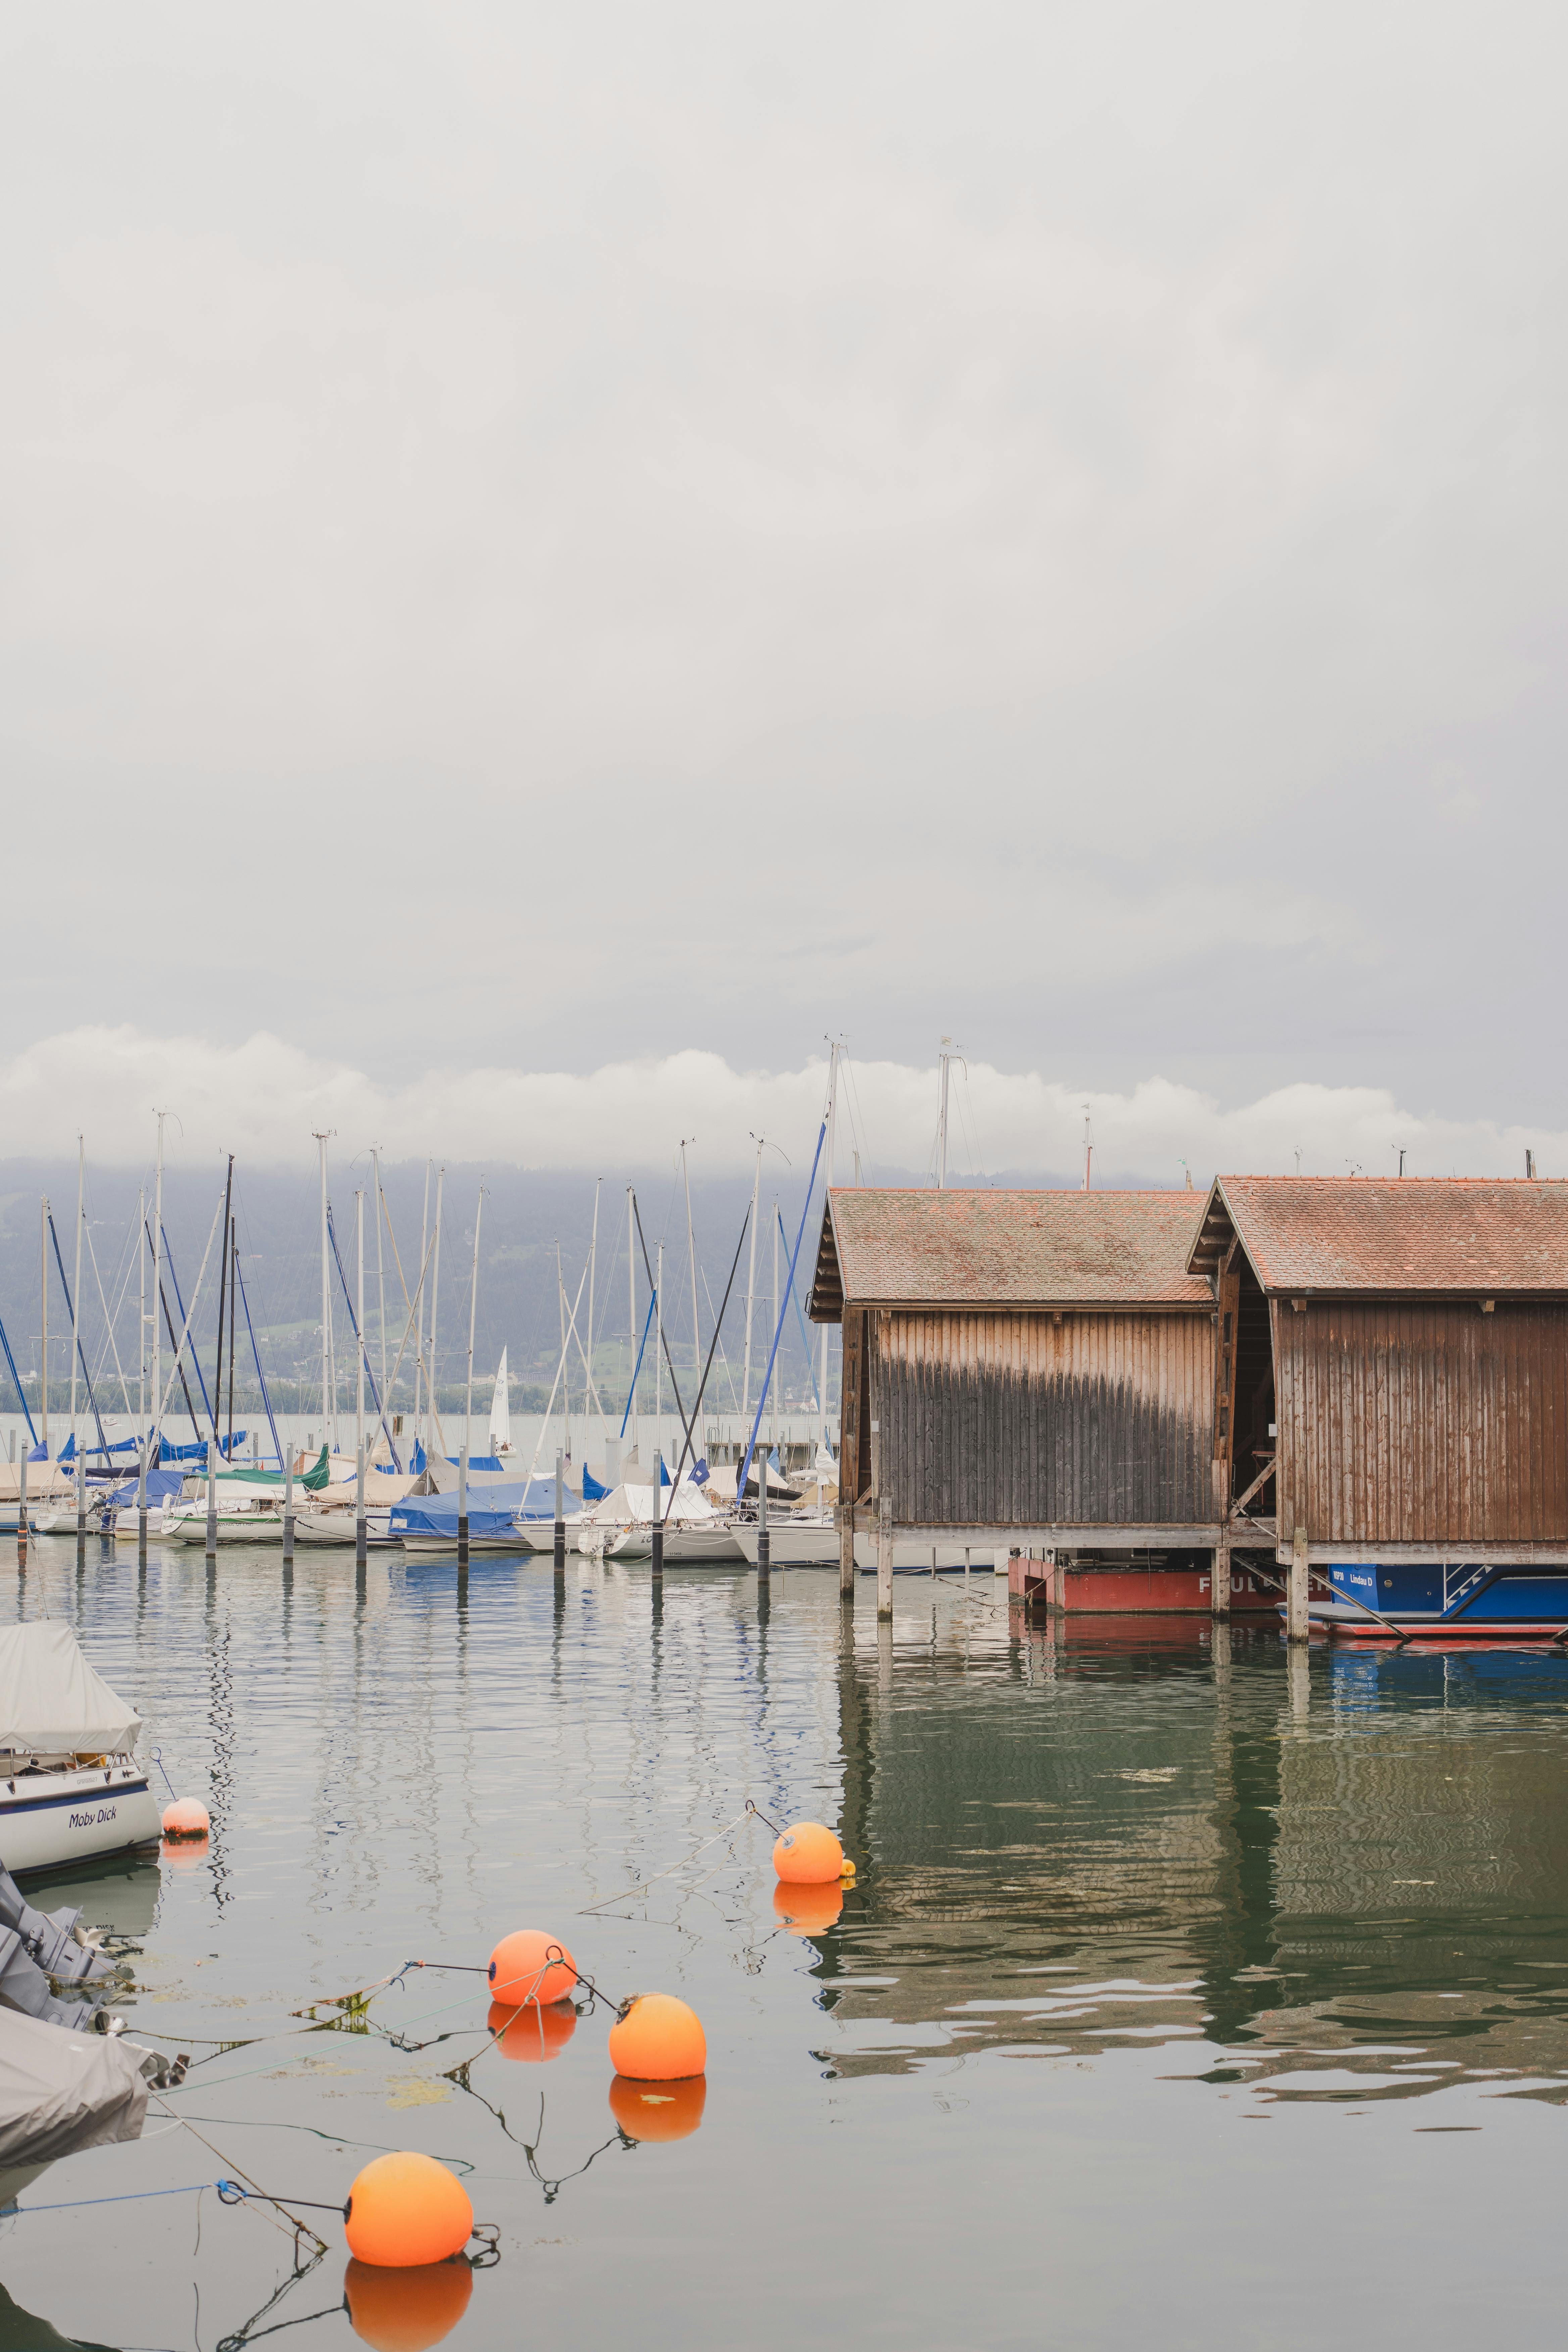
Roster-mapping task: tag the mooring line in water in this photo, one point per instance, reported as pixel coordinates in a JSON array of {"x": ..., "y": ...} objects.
[
  {"x": 749, "y": 1811},
  {"x": 299, "y": 2229},
  {"x": 128, "y": 2197}
]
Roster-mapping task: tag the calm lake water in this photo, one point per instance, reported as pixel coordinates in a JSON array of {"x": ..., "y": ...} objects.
[{"x": 1188, "y": 1994}]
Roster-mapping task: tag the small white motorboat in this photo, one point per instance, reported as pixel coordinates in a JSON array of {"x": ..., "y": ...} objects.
[{"x": 70, "y": 1785}]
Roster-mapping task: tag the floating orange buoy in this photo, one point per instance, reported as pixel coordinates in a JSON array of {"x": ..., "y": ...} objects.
[
  {"x": 808, "y": 1910},
  {"x": 807, "y": 1855},
  {"x": 406, "y": 2310},
  {"x": 656, "y": 2039},
  {"x": 532, "y": 2033},
  {"x": 405, "y": 2210},
  {"x": 659, "y": 2111},
  {"x": 527, "y": 1966},
  {"x": 185, "y": 1818}
]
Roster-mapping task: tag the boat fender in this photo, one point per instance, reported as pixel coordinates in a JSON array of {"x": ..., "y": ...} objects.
[
  {"x": 527, "y": 1966},
  {"x": 656, "y": 2039},
  {"x": 808, "y": 1855},
  {"x": 405, "y": 2210},
  {"x": 185, "y": 1818}
]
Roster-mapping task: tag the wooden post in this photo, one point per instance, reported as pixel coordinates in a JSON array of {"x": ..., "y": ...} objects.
[
  {"x": 1219, "y": 1586},
  {"x": 289, "y": 1510},
  {"x": 1296, "y": 1588},
  {"x": 212, "y": 1498},
  {"x": 884, "y": 1558},
  {"x": 559, "y": 1548},
  {"x": 80, "y": 1497},
  {"x": 22, "y": 1511},
  {"x": 846, "y": 1552},
  {"x": 1059, "y": 1585},
  {"x": 764, "y": 1548},
  {"x": 657, "y": 1529},
  {"x": 463, "y": 1504},
  {"x": 359, "y": 1503}
]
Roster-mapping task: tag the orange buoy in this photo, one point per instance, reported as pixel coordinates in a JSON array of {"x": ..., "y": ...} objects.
[
  {"x": 185, "y": 1818},
  {"x": 526, "y": 1966},
  {"x": 406, "y": 2208},
  {"x": 533, "y": 2033},
  {"x": 808, "y": 1910},
  {"x": 807, "y": 1855},
  {"x": 406, "y": 2310},
  {"x": 658, "y": 2110},
  {"x": 656, "y": 2039}
]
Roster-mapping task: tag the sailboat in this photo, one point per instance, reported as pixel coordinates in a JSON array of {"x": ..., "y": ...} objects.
[{"x": 500, "y": 1412}]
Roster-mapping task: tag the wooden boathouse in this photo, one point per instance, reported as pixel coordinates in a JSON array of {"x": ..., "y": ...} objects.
[
  {"x": 1030, "y": 1371},
  {"x": 1407, "y": 1340},
  {"x": 1161, "y": 1403}
]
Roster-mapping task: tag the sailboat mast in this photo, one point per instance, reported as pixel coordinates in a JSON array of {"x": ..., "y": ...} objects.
[
  {"x": 44, "y": 1314},
  {"x": 75, "y": 1298},
  {"x": 691, "y": 1261},
  {"x": 142, "y": 1326},
  {"x": 632, "y": 1310},
  {"x": 659, "y": 1337},
  {"x": 944, "y": 1058},
  {"x": 358, "y": 1318},
  {"x": 222, "y": 1295},
  {"x": 752, "y": 1285},
  {"x": 329, "y": 1401},
  {"x": 435, "y": 1302},
  {"x": 157, "y": 1430},
  {"x": 419, "y": 1304},
  {"x": 774, "y": 1391},
  {"x": 473, "y": 1312},
  {"x": 593, "y": 1265},
  {"x": 380, "y": 1286},
  {"x": 233, "y": 1300},
  {"x": 828, "y": 1180}
]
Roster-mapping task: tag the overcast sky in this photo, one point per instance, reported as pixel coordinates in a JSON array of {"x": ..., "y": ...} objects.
[{"x": 544, "y": 540}]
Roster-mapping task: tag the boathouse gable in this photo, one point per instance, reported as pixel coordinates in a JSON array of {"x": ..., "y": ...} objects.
[
  {"x": 1418, "y": 1363},
  {"x": 1030, "y": 1364}
]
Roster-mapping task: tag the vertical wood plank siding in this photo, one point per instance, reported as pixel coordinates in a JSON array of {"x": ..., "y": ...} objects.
[
  {"x": 1012, "y": 1419},
  {"x": 1422, "y": 1423}
]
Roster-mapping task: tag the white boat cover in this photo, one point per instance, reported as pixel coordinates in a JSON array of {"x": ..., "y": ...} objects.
[
  {"x": 684, "y": 1505},
  {"x": 51, "y": 1701},
  {"x": 61, "y": 2091}
]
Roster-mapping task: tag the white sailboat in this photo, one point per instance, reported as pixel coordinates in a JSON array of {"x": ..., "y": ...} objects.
[
  {"x": 73, "y": 1787},
  {"x": 500, "y": 1412}
]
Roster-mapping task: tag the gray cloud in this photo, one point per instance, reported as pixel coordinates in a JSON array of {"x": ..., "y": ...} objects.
[{"x": 538, "y": 536}]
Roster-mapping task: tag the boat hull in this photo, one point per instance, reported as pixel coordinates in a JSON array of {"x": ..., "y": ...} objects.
[
  {"x": 1469, "y": 1602},
  {"x": 47, "y": 1819},
  {"x": 232, "y": 1527}
]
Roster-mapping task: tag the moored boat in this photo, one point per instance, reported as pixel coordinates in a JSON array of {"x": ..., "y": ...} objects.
[
  {"x": 73, "y": 1788},
  {"x": 1470, "y": 1600}
]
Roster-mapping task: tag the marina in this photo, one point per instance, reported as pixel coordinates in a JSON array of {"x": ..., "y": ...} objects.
[{"x": 1166, "y": 1916}]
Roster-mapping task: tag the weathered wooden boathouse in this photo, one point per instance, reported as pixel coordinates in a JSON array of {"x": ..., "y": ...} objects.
[
  {"x": 1407, "y": 1340},
  {"x": 1157, "y": 1404},
  {"x": 1033, "y": 1371}
]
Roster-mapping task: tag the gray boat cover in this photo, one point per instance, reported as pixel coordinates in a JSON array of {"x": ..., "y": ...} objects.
[
  {"x": 60, "y": 2091},
  {"x": 52, "y": 1703}
]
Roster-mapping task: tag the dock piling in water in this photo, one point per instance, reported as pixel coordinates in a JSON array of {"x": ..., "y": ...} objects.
[
  {"x": 657, "y": 1531},
  {"x": 560, "y": 1513},
  {"x": 1296, "y": 1588},
  {"x": 884, "y": 1558}
]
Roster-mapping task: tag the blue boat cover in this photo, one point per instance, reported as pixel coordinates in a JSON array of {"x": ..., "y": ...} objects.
[
  {"x": 161, "y": 1485},
  {"x": 491, "y": 1509}
]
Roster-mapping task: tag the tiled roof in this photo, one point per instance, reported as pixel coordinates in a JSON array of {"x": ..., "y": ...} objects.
[
  {"x": 1427, "y": 1235},
  {"x": 1007, "y": 1249}
]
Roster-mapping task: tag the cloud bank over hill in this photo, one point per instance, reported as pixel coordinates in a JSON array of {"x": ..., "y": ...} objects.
[{"x": 265, "y": 1097}]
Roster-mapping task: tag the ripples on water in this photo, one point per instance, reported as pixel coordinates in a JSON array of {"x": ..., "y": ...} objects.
[{"x": 1185, "y": 1992}]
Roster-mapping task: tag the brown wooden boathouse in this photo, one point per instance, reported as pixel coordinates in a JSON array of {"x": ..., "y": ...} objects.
[{"x": 1097, "y": 1376}]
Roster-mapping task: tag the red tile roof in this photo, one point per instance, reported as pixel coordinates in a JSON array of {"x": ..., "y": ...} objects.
[
  {"x": 1007, "y": 1249},
  {"x": 1384, "y": 1234}
]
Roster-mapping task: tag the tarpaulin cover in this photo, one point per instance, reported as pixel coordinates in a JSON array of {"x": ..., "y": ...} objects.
[
  {"x": 161, "y": 1485},
  {"x": 51, "y": 1701},
  {"x": 436, "y": 1515},
  {"x": 443, "y": 1479},
  {"x": 59, "y": 2092},
  {"x": 198, "y": 1452}
]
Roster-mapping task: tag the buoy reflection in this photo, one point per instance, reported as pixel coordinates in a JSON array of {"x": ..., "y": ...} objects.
[
  {"x": 404, "y": 2311},
  {"x": 657, "y": 2111},
  {"x": 807, "y": 1910},
  {"x": 533, "y": 2034},
  {"x": 185, "y": 1854}
]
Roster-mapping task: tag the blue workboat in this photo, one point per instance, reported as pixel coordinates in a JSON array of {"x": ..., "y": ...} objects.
[{"x": 1468, "y": 1599}]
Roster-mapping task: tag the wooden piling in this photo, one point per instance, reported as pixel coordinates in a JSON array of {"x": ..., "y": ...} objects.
[
  {"x": 1219, "y": 1584},
  {"x": 559, "y": 1554},
  {"x": 884, "y": 1558},
  {"x": 764, "y": 1552},
  {"x": 289, "y": 1510},
  {"x": 22, "y": 1511},
  {"x": 1296, "y": 1588},
  {"x": 211, "y": 1498},
  {"x": 846, "y": 1552},
  {"x": 359, "y": 1503},
  {"x": 656, "y": 1531},
  {"x": 463, "y": 1505}
]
